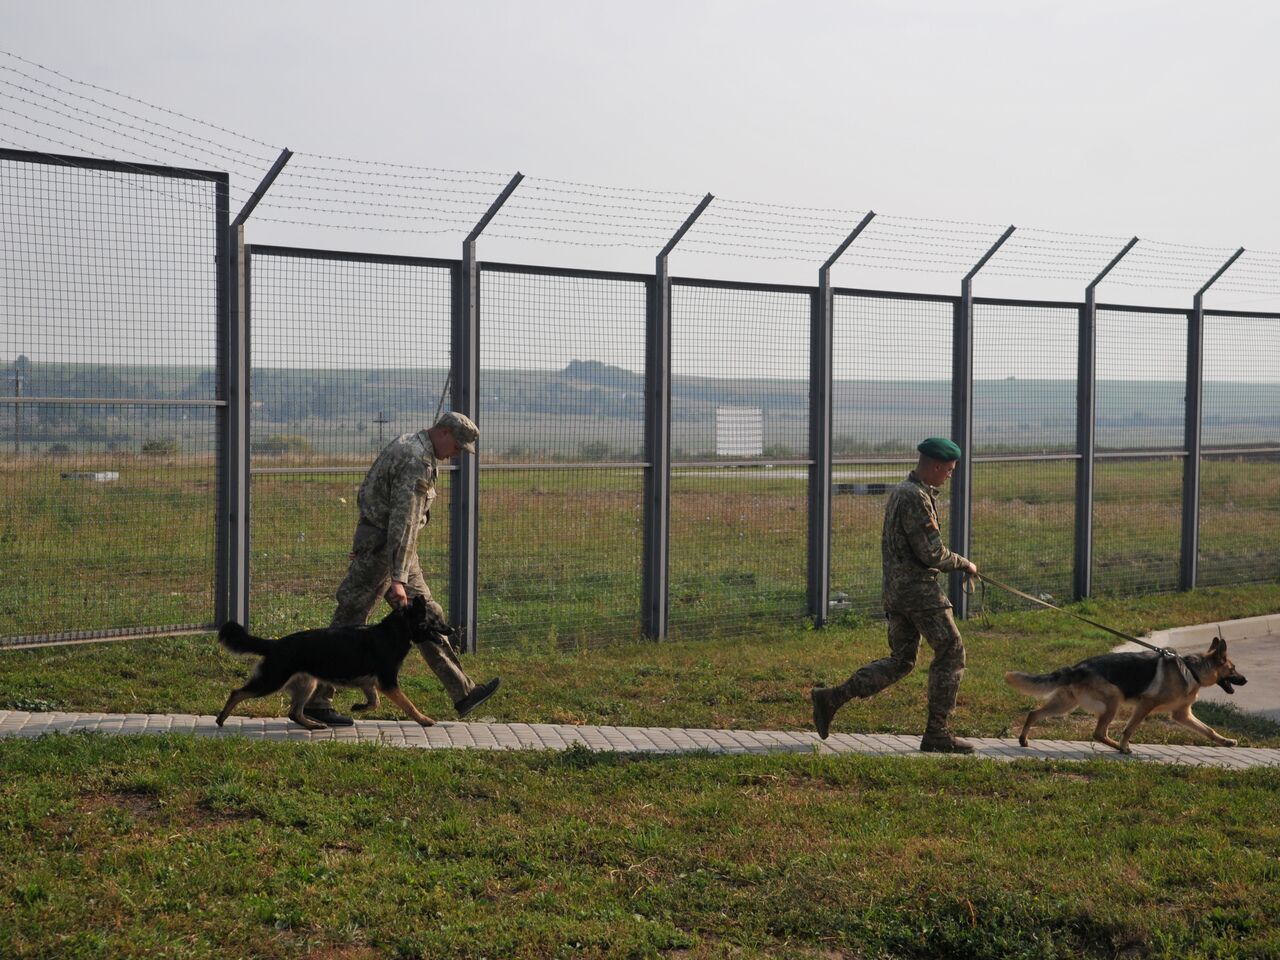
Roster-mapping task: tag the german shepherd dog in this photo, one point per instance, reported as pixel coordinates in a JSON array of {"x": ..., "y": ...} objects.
[
  {"x": 367, "y": 658},
  {"x": 1149, "y": 682}
]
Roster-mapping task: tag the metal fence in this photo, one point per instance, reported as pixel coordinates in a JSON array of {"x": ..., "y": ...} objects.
[
  {"x": 1024, "y": 439},
  {"x": 1140, "y": 429},
  {"x": 891, "y": 387},
  {"x": 660, "y": 457},
  {"x": 1239, "y": 495},
  {"x": 347, "y": 352},
  {"x": 563, "y": 429},
  {"x": 111, "y": 299},
  {"x": 739, "y": 435}
]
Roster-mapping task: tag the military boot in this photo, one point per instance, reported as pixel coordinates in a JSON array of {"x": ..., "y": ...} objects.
[
  {"x": 942, "y": 740},
  {"x": 826, "y": 701},
  {"x": 938, "y": 738}
]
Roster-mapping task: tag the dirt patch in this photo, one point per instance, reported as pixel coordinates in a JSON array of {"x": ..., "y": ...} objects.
[
  {"x": 140, "y": 805},
  {"x": 344, "y": 953}
]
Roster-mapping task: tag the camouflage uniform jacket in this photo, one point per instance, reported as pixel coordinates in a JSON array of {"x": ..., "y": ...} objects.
[
  {"x": 912, "y": 550},
  {"x": 396, "y": 496}
]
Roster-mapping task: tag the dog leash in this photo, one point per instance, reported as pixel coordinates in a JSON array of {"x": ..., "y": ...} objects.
[
  {"x": 443, "y": 393},
  {"x": 1165, "y": 651}
]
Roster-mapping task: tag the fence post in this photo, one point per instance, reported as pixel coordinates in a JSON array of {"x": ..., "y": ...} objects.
[
  {"x": 233, "y": 460},
  {"x": 226, "y": 415},
  {"x": 657, "y": 441},
  {"x": 464, "y": 491},
  {"x": 1190, "y": 561},
  {"x": 1086, "y": 427},
  {"x": 821, "y": 325},
  {"x": 962, "y": 423}
]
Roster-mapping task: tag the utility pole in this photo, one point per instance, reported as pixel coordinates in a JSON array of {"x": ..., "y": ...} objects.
[{"x": 380, "y": 420}]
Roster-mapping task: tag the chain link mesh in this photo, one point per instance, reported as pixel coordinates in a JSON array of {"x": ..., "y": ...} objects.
[
  {"x": 110, "y": 409},
  {"x": 346, "y": 356},
  {"x": 891, "y": 373},
  {"x": 1239, "y": 488},
  {"x": 1024, "y": 407},
  {"x": 108, "y": 299},
  {"x": 740, "y": 438},
  {"x": 562, "y": 434},
  {"x": 1137, "y": 510}
]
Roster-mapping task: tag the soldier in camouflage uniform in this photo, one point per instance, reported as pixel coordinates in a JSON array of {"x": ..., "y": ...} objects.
[
  {"x": 395, "y": 504},
  {"x": 915, "y": 604}
]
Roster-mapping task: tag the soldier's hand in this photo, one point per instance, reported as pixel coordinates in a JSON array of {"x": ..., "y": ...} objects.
[
  {"x": 973, "y": 569},
  {"x": 396, "y": 595}
]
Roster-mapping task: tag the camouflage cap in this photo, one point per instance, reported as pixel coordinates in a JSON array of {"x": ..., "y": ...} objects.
[
  {"x": 939, "y": 448},
  {"x": 462, "y": 428}
]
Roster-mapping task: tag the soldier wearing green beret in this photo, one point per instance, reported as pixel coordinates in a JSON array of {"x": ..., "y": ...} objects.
[{"x": 914, "y": 603}]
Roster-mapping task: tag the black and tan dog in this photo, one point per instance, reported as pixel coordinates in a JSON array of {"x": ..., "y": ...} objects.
[
  {"x": 367, "y": 658},
  {"x": 1149, "y": 682}
]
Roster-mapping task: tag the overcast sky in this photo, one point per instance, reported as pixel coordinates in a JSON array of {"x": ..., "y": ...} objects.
[{"x": 1121, "y": 118}]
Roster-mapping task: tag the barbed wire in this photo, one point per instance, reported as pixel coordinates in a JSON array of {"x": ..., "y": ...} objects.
[
  {"x": 684, "y": 197},
  {"x": 125, "y": 96},
  {"x": 326, "y": 191},
  {"x": 143, "y": 184},
  {"x": 296, "y": 169},
  {"x": 115, "y": 129},
  {"x": 362, "y": 227},
  {"x": 255, "y": 159},
  {"x": 410, "y": 166}
]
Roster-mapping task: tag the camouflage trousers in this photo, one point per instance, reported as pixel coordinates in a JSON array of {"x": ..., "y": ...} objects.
[
  {"x": 939, "y": 629},
  {"x": 367, "y": 581}
]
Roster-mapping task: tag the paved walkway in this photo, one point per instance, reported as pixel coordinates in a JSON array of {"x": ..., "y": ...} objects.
[
  {"x": 656, "y": 740},
  {"x": 1253, "y": 644}
]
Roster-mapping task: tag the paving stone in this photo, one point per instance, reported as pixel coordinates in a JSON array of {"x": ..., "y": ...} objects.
[
  {"x": 629, "y": 739},
  {"x": 437, "y": 736}
]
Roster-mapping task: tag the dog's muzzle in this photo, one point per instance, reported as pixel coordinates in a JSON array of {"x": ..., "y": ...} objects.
[{"x": 1230, "y": 683}]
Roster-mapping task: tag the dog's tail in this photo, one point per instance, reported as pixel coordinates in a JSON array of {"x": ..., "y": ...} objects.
[
  {"x": 239, "y": 640},
  {"x": 1035, "y": 684}
]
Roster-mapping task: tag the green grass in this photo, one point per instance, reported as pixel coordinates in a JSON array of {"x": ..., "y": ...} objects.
[
  {"x": 759, "y": 681},
  {"x": 183, "y": 847},
  {"x": 178, "y": 847},
  {"x": 560, "y": 550}
]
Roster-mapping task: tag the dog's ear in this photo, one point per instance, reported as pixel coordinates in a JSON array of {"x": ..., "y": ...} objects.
[
  {"x": 1218, "y": 648},
  {"x": 418, "y": 605}
]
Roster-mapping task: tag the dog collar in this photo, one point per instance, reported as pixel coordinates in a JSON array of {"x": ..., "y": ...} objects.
[{"x": 1182, "y": 662}]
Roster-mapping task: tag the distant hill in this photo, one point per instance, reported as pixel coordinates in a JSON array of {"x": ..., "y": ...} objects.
[{"x": 601, "y": 405}]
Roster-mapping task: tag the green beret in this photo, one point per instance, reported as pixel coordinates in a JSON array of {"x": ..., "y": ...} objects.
[{"x": 939, "y": 448}]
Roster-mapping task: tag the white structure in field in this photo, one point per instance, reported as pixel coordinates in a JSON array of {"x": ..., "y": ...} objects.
[{"x": 739, "y": 431}]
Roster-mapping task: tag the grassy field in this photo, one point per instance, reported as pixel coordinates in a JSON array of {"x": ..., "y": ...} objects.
[
  {"x": 177, "y": 847},
  {"x": 173, "y": 847},
  {"x": 758, "y": 681},
  {"x": 560, "y": 549}
]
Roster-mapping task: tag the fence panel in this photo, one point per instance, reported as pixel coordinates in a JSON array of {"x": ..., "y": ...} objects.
[
  {"x": 1239, "y": 488},
  {"x": 740, "y": 437},
  {"x": 109, "y": 300},
  {"x": 562, "y": 432},
  {"x": 1024, "y": 423},
  {"x": 1141, "y": 390},
  {"x": 347, "y": 353},
  {"x": 111, "y": 412},
  {"x": 891, "y": 388}
]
